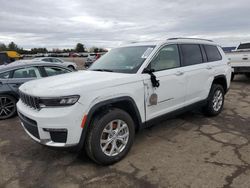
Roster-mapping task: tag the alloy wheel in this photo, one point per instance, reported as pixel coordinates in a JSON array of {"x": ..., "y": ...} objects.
[
  {"x": 217, "y": 100},
  {"x": 114, "y": 137},
  {"x": 7, "y": 107}
]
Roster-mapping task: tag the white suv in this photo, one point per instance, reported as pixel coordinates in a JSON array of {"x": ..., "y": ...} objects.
[{"x": 129, "y": 88}]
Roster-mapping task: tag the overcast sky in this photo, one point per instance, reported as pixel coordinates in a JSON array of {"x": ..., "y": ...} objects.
[{"x": 109, "y": 23}]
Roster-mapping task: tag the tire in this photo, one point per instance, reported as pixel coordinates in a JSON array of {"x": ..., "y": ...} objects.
[
  {"x": 71, "y": 67},
  {"x": 247, "y": 75},
  {"x": 232, "y": 76},
  {"x": 7, "y": 106},
  {"x": 211, "y": 109},
  {"x": 103, "y": 127}
]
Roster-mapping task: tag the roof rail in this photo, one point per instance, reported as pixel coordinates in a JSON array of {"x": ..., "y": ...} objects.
[{"x": 190, "y": 38}]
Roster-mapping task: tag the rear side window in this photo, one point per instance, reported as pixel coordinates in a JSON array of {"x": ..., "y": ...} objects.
[
  {"x": 47, "y": 59},
  {"x": 213, "y": 53},
  {"x": 4, "y": 75},
  {"x": 191, "y": 54},
  {"x": 52, "y": 71}
]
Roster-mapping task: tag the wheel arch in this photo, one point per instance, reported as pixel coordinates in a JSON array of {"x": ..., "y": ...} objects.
[
  {"x": 125, "y": 103},
  {"x": 221, "y": 80},
  {"x": 12, "y": 94}
]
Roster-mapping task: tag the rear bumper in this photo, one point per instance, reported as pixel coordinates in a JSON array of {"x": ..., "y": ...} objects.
[
  {"x": 241, "y": 69},
  {"x": 54, "y": 127}
]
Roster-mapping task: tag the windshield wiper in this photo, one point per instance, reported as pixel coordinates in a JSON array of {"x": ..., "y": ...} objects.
[{"x": 102, "y": 70}]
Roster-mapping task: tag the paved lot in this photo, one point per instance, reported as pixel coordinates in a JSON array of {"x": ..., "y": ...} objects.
[{"x": 189, "y": 151}]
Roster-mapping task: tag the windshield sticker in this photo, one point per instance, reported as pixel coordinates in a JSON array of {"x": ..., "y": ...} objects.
[{"x": 147, "y": 53}]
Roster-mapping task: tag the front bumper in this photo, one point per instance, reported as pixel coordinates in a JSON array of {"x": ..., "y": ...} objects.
[{"x": 55, "y": 127}]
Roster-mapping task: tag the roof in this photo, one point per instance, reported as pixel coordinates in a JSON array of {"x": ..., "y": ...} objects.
[
  {"x": 23, "y": 63},
  {"x": 171, "y": 40}
]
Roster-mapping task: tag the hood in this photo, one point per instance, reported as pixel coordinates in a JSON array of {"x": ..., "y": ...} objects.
[{"x": 75, "y": 83}]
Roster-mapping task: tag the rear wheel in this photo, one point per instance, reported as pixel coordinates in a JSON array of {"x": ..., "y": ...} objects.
[
  {"x": 7, "y": 106},
  {"x": 215, "y": 101},
  {"x": 110, "y": 137}
]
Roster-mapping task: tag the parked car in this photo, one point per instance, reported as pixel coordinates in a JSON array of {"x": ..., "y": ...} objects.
[
  {"x": 17, "y": 73},
  {"x": 91, "y": 58},
  {"x": 129, "y": 88},
  {"x": 68, "y": 64},
  {"x": 240, "y": 60},
  {"x": 4, "y": 58}
]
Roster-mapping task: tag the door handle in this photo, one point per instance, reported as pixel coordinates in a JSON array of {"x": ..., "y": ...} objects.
[
  {"x": 209, "y": 67},
  {"x": 245, "y": 58},
  {"x": 179, "y": 73}
]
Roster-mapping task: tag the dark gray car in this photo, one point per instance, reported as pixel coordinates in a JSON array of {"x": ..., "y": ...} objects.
[{"x": 15, "y": 74}]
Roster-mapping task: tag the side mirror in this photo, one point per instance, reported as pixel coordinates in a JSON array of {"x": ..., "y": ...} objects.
[
  {"x": 148, "y": 71},
  {"x": 154, "y": 81}
]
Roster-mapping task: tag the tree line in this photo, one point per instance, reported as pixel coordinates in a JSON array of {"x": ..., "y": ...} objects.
[{"x": 78, "y": 49}]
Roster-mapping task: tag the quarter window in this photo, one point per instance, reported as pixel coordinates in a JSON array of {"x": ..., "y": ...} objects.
[
  {"x": 213, "y": 53},
  {"x": 29, "y": 72},
  {"x": 191, "y": 54},
  {"x": 52, "y": 71},
  {"x": 167, "y": 58}
]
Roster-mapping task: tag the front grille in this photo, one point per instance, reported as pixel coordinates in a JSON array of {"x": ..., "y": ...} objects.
[
  {"x": 32, "y": 102},
  {"x": 30, "y": 125}
]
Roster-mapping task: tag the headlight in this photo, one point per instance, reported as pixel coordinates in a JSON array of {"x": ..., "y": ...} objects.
[{"x": 60, "y": 101}]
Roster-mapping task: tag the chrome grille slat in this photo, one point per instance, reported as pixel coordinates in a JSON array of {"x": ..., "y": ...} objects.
[{"x": 30, "y": 101}]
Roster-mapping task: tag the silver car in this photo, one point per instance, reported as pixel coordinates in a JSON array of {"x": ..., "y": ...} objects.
[{"x": 68, "y": 64}]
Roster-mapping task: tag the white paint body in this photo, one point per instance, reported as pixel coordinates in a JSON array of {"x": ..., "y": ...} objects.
[{"x": 179, "y": 87}]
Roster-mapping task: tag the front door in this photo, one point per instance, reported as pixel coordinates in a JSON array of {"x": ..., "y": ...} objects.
[{"x": 170, "y": 95}]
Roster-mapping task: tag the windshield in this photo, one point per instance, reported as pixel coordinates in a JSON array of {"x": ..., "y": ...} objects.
[{"x": 123, "y": 60}]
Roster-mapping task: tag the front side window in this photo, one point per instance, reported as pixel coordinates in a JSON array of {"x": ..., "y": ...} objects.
[
  {"x": 4, "y": 75},
  {"x": 213, "y": 53},
  {"x": 191, "y": 54},
  {"x": 28, "y": 72},
  {"x": 52, "y": 71},
  {"x": 167, "y": 58},
  {"x": 123, "y": 60}
]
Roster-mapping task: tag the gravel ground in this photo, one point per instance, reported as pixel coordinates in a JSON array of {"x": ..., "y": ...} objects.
[{"x": 190, "y": 150}]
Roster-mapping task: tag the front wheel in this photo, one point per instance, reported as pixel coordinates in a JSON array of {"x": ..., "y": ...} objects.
[
  {"x": 110, "y": 137},
  {"x": 71, "y": 67},
  {"x": 215, "y": 101},
  {"x": 7, "y": 106}
]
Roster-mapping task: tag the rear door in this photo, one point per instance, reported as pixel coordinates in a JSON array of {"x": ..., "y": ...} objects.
[
  {"x": 22, "y": 75},
  {"x": 197, "y": 72}
]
